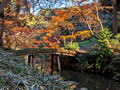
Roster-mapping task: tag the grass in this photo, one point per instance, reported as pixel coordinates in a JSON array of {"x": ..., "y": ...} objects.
[{"x": 88, "y": 43}]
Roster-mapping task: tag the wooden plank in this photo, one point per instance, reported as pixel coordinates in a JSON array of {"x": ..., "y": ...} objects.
[
  {"x": 56, "y": 54},
  {"x": 81, "y": 51},
  {"x": 50, "y": 51}
]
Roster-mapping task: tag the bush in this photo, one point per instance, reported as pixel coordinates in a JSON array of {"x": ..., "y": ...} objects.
[
  {"x": 115, "y": 67},
  {"x": 116, "y": 43},
  {"x": 10, "y": 62},
  {"x": 74, "y": 46},
  {"x": 16, "y": 74},
  {"x": 84, "y": 62},
  {"x": 100, "y": 56},
  {"x": 38, "y": 82}
]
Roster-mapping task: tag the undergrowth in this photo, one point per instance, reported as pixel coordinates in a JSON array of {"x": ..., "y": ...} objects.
[{"x": 15, "y": 74}]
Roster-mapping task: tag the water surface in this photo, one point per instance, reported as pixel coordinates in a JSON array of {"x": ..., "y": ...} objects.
[{"x": 87, "y": 81}]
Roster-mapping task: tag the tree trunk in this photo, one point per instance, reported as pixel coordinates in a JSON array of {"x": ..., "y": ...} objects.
[
  {"x": 3, "y": 4},
  {"x": 98, "y": 17},
  {"x": 1, "y": 34},
  {"x": 115, "y": 31}
]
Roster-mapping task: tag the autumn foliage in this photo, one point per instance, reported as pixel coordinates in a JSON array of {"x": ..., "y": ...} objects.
[
  {"x": 62, "y": 21},
  {"x": 49, "y": 41},
  {"x": 20, "y": 37},
  {"x": 23, "y": 37},
  {"x": 17, "y": 37}
]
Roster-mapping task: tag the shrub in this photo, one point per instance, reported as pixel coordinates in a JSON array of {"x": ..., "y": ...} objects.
[
  {"x": 16, "y": 74},
  {"x": 115, "y": 67},
  {"x": 115, "y": 42},
  {"x": 100, "y": 56},
  {"x": 74, "y": 46}
]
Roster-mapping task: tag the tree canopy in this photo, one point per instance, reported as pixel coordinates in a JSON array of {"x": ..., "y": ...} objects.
[{"x": 22, "y": 25}]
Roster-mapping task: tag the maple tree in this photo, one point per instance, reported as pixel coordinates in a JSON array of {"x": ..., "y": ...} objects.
[
  {"x": 13, "y": 31},
  {"x": 17, "y": 37},
  {"x": 20, "y": 37},
  {"x": 62, "y": 20},
  {"x": 11, "y": 11}
]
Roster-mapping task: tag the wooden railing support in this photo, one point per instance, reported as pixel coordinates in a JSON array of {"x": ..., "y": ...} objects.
[
  {"x": 52, "y": 63},
  {"x": 58, "y": 61},
  {"x": 33, "y": 62},
  {"x": 31, "y": 57}
]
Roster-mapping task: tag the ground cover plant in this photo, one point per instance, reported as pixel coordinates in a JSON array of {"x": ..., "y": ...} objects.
[{"x": 16, "y": 74}]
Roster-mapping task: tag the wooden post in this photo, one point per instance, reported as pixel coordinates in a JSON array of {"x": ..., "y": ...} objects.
[
  {"x": 52, "y": 65},
  {"x": 29, "y": 59},
  {"x": 33, "y": 62},
  {"x": 58, "y": 61}
]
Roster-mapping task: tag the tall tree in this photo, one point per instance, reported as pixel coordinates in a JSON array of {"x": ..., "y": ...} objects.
[
  {"x": 114, "y": 4},
  {"x": 115, "y": 31}
]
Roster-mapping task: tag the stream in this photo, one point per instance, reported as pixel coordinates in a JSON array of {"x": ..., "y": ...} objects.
[{"x": 87, "y": 81}]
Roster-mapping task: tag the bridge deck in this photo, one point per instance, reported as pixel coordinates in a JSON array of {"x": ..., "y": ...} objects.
[
  {"x": 49, "y": 51},
  {"x": 52, "y": 52}
]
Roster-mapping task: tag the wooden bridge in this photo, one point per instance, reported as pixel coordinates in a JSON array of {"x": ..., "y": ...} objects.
[{"x": 53, "y": 52}]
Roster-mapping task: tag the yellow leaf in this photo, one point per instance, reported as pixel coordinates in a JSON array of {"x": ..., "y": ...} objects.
[{"x": 56, "y": 23}]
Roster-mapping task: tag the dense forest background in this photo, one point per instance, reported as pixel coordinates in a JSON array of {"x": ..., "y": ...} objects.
[{"x": 35, "y": 21}]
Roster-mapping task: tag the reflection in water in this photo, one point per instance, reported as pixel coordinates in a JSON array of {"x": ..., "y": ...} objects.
[
  {"x": 88, "y": 81},
  {"x": 85, "y": 81}
]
